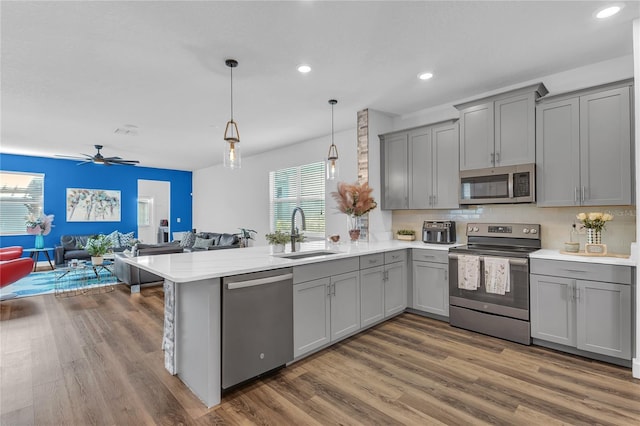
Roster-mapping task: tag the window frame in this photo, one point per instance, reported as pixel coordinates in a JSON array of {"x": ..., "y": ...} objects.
[
  {"x": 39, "y": 208},
  {"x": 297, "y": 199}
]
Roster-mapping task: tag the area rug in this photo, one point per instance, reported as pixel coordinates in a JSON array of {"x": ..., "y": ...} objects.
[{"x": 37, "y": 283}]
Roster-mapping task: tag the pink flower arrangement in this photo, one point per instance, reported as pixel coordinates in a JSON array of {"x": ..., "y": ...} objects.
[
  {"x": 355, "y": 199},
  {"x": 39, "y": 225}
]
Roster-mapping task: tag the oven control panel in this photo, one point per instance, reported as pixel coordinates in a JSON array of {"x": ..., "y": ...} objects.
[{"x": 505, "y": 230}]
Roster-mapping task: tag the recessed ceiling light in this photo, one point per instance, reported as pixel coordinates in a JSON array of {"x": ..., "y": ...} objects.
[
  {"x": 425, "y": 76},
  {"x": 304, "y": 68},
  {"x": 608, "y": 12}
]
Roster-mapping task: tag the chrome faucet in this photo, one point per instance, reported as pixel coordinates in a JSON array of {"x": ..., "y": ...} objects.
[{"x": 294, "y": 230}]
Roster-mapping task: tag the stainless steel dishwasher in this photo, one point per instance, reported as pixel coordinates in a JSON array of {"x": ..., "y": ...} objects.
[{"x": 257, "y": 324}]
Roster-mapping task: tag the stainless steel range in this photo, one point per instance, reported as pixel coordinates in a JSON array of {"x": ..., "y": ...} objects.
[{"x": 489, "y": 280}]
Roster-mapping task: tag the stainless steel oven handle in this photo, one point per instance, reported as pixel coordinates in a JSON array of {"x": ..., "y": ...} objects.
[
  {"x": 512, "y": 261},
  {"x": 259, "y": 281}
]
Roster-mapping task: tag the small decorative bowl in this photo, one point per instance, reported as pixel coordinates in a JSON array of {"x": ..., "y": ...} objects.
[
  {"x": 572, "y": 247},
  {"x": 334, "y": 238}
]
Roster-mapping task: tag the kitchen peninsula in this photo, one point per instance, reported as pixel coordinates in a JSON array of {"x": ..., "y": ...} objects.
[{"x": 192, "y": 335}]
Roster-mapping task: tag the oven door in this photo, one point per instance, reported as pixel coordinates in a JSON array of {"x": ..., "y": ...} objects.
[{"x": 513, "y": 304}]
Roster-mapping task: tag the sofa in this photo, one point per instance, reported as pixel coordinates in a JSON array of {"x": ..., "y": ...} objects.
[
  {"x": 135, "y": 277},
  {"x": 71, "y": 246},
  {"x": 192, "y": 241}
]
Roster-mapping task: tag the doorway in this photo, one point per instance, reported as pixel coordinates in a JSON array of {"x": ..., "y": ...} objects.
[{"x": 154, "y": 211}]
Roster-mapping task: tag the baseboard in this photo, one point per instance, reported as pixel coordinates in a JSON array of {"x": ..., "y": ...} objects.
[{"x": 635, "y": 368}]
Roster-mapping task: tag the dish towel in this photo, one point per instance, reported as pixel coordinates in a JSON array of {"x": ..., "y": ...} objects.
[
  {"x": 497, "y": 275},
  {"x": 468, "y": 272}
]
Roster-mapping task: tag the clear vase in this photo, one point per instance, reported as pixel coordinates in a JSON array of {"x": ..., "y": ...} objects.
[
  {"x": 353, "y": 226},
  {"x": 594, "y": 236},
  {"x": 39, "y": 243}
]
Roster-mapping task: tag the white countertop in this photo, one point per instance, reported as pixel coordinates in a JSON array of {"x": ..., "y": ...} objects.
[
  {"x": 549, "y": 254},
  {"x": 200, "y": 265}
]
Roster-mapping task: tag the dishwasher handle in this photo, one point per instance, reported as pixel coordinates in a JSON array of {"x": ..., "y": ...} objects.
[{"x": 259, "y": 281}]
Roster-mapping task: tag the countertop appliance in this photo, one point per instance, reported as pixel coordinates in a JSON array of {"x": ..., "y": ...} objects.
[
  {"x": 508, "y": 184},
  {"x": 484, "y": 309},
  {"x": 257, "y": 324},
  {"x": 439, "y": 232}
]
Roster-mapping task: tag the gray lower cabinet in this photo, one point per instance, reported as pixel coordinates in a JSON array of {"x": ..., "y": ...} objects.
[
  {"x": 431, "y": 281},
  {"x": 583, "y": 148},
  {"x": 383, "y": 286},
  {"x": 582, "y": 305},
  {"x": 326, "y": 307},
  {"x": 420, "y": 167}
]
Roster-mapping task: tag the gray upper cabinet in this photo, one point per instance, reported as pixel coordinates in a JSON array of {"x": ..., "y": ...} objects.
[
  {"x": 499, "y": 130},
  {"x": 394, "y": 171},
  {"x": 420, "y": 167},
  {"x": 583, "y": 148}
]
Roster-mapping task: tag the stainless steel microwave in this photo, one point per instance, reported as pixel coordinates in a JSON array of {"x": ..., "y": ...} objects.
[{"x": 508, "y": 184}]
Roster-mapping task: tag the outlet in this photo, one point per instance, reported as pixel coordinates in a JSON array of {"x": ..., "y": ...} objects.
[{"x": 178, "y": 220}]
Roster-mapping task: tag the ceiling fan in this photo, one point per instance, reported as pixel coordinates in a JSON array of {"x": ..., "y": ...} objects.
[{"x": 100, "y": 159}]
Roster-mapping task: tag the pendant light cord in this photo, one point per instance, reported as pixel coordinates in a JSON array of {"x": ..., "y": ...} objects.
[
  {"x": 332, "y": 124},
  {"x": 231, "y": 93}
]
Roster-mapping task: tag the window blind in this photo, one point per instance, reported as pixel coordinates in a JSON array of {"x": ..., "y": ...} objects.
[
  {"x": 21, "y": 194},
  {"x": 302, "y": 186}
]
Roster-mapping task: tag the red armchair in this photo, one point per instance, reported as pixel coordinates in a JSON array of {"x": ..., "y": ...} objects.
[
  {"x": 10, "y": 253},
  {"x": 12, "y": 270}
]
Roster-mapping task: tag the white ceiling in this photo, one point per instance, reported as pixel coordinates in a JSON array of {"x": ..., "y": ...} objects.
[{"x": 73, "y": 72}]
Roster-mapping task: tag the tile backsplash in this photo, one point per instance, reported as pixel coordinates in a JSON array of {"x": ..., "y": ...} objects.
[{"x": 556, "y": 222}]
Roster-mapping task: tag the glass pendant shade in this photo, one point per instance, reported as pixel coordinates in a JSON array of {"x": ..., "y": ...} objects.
[
  {"x": 232, "y": 155},
  {"x": 333, "y": 170}
]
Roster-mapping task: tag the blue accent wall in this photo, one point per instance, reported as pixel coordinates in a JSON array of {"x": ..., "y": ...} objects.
[{"x": 62, "y": 174}]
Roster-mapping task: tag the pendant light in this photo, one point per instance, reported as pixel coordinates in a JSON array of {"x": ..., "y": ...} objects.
[
  {"x": 332, "y": 158},
  {"x": 231, "y": 134}
]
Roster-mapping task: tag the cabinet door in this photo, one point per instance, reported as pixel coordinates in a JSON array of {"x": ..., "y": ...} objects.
[
  {"x": 395, "y": 288},
  {"x": 395, "y": 185},
  {"x": 558, "y": 153},
  {"x": 444, "y": 166},
  {"x": 553, "y": 309},
  {"x": 604, "y": 318},
  {"x": 371, "y": 295},
  {"x": 419, "y": 173},
  {"x": 431, "y": 288},
  {"x": 476, "y": 137},
  {"x": 345, "y": 304},
  {"x": 311, "y": 315},
  {"x": 605, "y": 148},
  {"x": 515, "y": 131}
]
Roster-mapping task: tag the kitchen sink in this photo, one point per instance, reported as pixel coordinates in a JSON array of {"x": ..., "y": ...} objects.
[{"x": 306, "y": 254}]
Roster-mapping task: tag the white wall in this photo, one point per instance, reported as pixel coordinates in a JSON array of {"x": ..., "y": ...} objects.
[{"x": 225, "y": 200}]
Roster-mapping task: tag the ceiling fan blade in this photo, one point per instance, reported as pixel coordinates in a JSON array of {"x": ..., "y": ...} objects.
[
  {"x": 84, "y": 162},
  {"x": 126, "y": 162},
  {"x": 112, "y": 158},
  {"x": 72, "y": 157}
]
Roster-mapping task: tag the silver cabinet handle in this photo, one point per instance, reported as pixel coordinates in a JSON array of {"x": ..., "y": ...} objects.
[
  {"x": 577, "y": 293},
  {"x": 493, "y": 158},
  {"x": 572, "y": 291},
  {"x": 259, "y": 281},
  {"x": 497, "y": 158},
  {"x": 446, "y": 275},
  {"x": 372, "y": 262},
  {"x": 329, "y": 290},
  {"x": 583, "y": 199},
  {"x": 334, "y": 290},
  {"x": 435, "y": 200},
  {"x": 575, "y": 194}
]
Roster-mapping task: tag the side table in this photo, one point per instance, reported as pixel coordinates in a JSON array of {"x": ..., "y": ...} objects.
[{"x": 35, "y": 254}]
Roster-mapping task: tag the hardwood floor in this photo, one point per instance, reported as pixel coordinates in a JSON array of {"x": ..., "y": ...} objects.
[{"x": 96, "y": 359}]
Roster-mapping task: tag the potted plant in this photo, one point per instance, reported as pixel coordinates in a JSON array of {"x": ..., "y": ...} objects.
[
  {"x": 97, "y": 246},
  {"x": 245, "y": 235},
  {"x": 406, "y": 234},
  {"x": 278, "y": 240},
  {"x": 354, "y": 200}
]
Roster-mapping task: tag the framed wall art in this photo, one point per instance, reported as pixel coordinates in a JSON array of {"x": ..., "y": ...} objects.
[{"x": 93, "y": 205}]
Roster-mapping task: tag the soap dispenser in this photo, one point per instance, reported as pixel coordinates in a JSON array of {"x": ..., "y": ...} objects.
[{"x": 572, "y": 246}]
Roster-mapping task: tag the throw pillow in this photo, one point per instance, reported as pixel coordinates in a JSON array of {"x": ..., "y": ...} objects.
[
  {"x": 188, "y": 238},
  {"x": 126, "y": 240},
  {"x": 202, "y": 243},
  {"x": 113, "y": 239}
]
